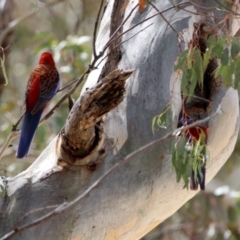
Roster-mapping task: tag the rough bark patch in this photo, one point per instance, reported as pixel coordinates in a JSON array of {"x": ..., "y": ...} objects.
[{"x": 83, "y": 133}]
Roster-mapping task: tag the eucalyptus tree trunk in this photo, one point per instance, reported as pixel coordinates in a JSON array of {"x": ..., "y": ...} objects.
[{"x": 69, "y": 192}]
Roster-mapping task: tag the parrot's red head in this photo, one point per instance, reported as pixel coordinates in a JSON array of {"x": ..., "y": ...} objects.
[{"x": 46, "y": 58}]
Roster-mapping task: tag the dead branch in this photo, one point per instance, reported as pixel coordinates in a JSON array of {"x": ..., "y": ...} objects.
[{"x": 87, "y": 112}]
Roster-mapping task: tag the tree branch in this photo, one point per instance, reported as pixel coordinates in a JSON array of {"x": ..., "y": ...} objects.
[{"x": 87, "y": 112}]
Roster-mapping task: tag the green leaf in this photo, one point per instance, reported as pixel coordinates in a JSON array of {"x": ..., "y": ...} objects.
[
  {"x": 179, "y": 157},
  {"x": 198, "y": 67},
  {"x": 181, "y": 146},
  {"x": 173, "y": 152},
  {"x": 190, "y": 58},
  {"x": 206, "y": 57},
  {"x": 2, "y": 191},
  {"x": 160, "y": 120},
  {"x": 227, "y": 75},
  {"x": 182, "y": 59},
  {"x": 186, "y": 161},
  {"x": 153, "y": 124},
  {"x": 225, "y": 57},
  {"x": 234, "y": 77},
  {"x": 211, "y": 42},
  {"x": 235, "y": 47},
  {"x": 219, "y": 71},
  {"x": 192, "y": 85},
  {"x": 185, "y": 177},
  {"x": 237, "y": 70},
  {"x": 186, "y": 78},
  {"x": 218, "y": 48}
]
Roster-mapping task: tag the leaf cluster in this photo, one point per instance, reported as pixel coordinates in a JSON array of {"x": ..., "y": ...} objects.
[
  {"x": 188, "y": 155},
  {"x": 192, "y": 66},
  {"x": 227, "y": 50},
  {"x": 160, "y": 121},
  {"x": 194, "y": 63}
]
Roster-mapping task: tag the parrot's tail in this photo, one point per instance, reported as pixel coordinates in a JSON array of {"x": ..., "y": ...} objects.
[{"x": 29, "y": 126}]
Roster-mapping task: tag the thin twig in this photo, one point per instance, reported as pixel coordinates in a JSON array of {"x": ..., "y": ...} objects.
[
  {"x": 199, "y": 122},
  {"x": 226, "y": 8},
  {"x": 122, "y": 43},
  {"x": 14, "y": 128},
  {"x": 10, "y": 138},
  {"x": 35, "y": 211},
  {"x": 70, "y": 92},
  {"x": 14, "y": 134},
  {"x": 168, "y": 23},
  {"x": 197, "y": 97},
  {"x": 113, "y": 38},
  {"x": 146, "y": 19},
  {"x": 69, "y": 84},
  {"x": 95, "y": 29}
]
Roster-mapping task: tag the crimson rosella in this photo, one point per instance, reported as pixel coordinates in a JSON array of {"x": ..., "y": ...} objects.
[
  {"x": 42, "y": 85},
  {"x": 193, "y": 134}
]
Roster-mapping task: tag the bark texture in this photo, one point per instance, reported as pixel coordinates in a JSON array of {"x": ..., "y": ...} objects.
[{"x": 142, "y": 193}]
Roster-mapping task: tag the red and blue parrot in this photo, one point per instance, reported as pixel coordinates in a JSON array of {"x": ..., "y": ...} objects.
[
  {"x": 42, "y": 85},
  {"x": 193, "y": 134}
]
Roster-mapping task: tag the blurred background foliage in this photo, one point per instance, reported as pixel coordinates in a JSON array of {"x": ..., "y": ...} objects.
[
  {"x": 62, "y": 27},
  {"x": 65, "y": 28}
]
